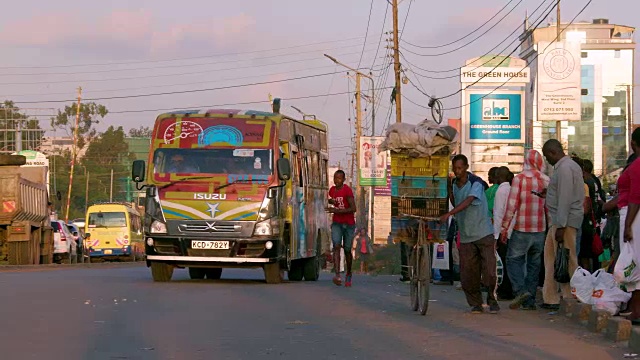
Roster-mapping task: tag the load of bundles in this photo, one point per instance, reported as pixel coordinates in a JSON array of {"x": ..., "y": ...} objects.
[{"x": 422, "y": 140}]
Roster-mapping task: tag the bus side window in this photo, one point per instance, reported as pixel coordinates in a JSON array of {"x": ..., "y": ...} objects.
[
  {"x": 297, "y": 170},
  {"x": 323, "y": 169}
]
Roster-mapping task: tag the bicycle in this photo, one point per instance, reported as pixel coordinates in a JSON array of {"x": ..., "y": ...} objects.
[{"x": 420, "y": 262}]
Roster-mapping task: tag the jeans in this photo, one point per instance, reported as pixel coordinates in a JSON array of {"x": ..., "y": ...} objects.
[
  {"x": 523, "y": 263},
  {"x": 342, "y": 235}
]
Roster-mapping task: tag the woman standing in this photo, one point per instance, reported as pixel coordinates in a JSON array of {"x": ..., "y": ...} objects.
[{"x": 629, "y": 204}]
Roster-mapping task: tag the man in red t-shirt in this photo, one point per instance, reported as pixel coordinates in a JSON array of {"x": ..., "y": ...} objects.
[{"x": 343, "y": 225}]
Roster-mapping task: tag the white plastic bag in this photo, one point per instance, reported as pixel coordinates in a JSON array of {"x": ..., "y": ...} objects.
[
  {"x": 440, "y": 259},
  {"x": 626, "y": 270},
  {"x": 582, "y": 286},
  {"x": 607, "y": 295}
]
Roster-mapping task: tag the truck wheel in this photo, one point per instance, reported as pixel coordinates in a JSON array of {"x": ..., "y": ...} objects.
[
  {"x": 295, "y": 272},
  {"x": 197, "y": 273},
  {"x": 272, "y": 273},
  {"x": 161, "y": 272},
  {"x": 312, "y": 268},
  {"x": 214, "y": 274}
]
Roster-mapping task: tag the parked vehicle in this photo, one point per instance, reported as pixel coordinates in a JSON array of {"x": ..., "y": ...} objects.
[
  {"x": 78, "y": 236},
  {"x": 65, "y": 249}
]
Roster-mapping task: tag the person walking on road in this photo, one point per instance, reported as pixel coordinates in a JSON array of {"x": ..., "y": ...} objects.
[
  {"x": 565, "y": 198},
  {"x": 343, "y": 225},
  {"x": 526, "y": 244},
  {"x": 477, "y": 244},
  {"x": 364, "y": 249}
]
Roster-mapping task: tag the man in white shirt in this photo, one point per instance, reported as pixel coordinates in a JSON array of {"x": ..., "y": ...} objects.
[{"x": 502, "y": 175}]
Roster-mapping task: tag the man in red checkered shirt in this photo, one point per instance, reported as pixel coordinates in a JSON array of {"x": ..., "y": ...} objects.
[{"x": 527, "y": 205}]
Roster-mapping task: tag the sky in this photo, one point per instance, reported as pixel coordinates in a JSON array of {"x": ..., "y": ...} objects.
[{"x": 118, "y": 50}]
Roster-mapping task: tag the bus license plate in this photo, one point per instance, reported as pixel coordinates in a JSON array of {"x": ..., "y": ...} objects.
[
  {"x": 108, "y": 252},
  {"x": 210, "y": 245}
]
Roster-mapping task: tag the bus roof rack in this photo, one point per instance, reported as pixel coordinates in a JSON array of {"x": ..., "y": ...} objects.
[{"x": 113, "y": 203}]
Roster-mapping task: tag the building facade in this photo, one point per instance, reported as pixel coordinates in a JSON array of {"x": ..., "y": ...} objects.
[{"x": 607, "y": 53}]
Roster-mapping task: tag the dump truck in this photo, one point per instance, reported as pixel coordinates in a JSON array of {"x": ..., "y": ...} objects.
[{"x": 26, "y": 236}]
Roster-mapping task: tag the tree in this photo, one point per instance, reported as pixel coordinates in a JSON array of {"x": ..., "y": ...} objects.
[
  {"x": 13, "y": 118},
  {"x": 142, "y": 131},
  {"x": 89, "y": 114}
]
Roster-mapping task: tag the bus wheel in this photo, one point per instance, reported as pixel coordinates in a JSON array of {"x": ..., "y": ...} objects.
[
  {"x": 214, "y": 273},
  {"x": 312, "y": 268},
  {"x": 161, "y": 272},
  {"x": 272, "y": 273},
  {"x": 295, "y": 270},
  {"x": 197, "y": 273}
]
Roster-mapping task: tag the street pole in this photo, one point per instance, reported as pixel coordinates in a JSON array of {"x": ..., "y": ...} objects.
[
  {"x": 86, "y": 190},
  {"x": 18, "y": 134},
  {"x": 361, "y": 217},
  {"x": 558, "y": 122},
  {"x": 111, "y": 188},
  {"x": 74, "y": 154},
  {"x": 396, "y": 62}
]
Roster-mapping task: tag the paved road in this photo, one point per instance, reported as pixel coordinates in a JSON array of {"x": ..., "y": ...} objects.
[{"x": 117, "y": 312}]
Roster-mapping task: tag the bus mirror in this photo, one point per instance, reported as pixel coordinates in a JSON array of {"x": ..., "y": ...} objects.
[
  {"x": 284, "y": 169},
  {"x": 137, "y": 171}
]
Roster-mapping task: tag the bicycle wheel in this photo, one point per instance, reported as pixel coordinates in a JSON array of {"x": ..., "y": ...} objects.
[
  {"x": 424, "y": 279},
  {"x": 413, "y": 284}
]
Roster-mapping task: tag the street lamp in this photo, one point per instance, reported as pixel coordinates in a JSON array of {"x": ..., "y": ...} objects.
[{"x": 360, "y": 190}]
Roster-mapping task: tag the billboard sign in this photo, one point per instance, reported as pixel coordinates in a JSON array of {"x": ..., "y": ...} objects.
[
  {"x": 559, "y": 88},
  {"x": 385, "y": 190},
  {"x": 496, "y": 117},
  {"x": 471, "y": 74},
  {"x": 373, "y": 165}
]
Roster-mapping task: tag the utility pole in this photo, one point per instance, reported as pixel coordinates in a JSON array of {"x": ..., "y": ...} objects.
[
  {"x": 396, "y": 62},
  {"x": 558, "y": 33},
  {"x": 360, "y": 206},
  {"x": 86, "y": 190},
  {"x": 74, "y": 154},
  {"x": 18, "y": 134},
  {"x": 111, "y": 188}
]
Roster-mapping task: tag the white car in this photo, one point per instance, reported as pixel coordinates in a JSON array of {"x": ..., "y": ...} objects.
[{"x": 64, "y": 245}]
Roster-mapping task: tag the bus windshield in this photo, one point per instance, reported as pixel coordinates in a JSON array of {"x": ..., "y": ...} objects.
[
  {"x": 107, "y": 219},
  {"x": 213, "y": 161}
]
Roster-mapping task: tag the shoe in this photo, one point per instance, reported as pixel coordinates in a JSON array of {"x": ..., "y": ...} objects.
[
  {"x": 494, "y": 308},
  {"x": 347, "y": 282},
  {"x": 337, "y": 280},
  {"x": 477, "y": 310},
  {"x": 519, "y": 300},
  {"x": 554, "y": 307},
  {"x": 529, "y": 307}
]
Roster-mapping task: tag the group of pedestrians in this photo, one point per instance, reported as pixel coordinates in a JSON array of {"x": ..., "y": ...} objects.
[{"x": 526, "y": 218}]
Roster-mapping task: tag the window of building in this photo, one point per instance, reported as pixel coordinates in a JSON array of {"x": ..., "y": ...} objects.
[
  {"x": 616, "y": 54},
  {"x": 584, "y": 54}
]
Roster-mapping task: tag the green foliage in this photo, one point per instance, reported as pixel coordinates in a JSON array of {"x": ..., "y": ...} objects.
[
  {"x": 141, "y": 132},
  {"x": 90, "y": 113},
  {"x": 12, "y": 117}
]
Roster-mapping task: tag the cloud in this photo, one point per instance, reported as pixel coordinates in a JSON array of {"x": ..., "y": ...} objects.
[{"x": 128, "y": 31}]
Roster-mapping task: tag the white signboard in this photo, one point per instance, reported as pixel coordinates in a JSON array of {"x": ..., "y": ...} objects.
[
  {"x": 500, "y": 75},
  {"x": 559, "y": 87},
  {"x": 373, "y": 165},
  {"x": 35, "y": 158}
]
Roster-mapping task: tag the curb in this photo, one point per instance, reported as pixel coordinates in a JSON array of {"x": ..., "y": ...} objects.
[{"x": 614, "y": 328}]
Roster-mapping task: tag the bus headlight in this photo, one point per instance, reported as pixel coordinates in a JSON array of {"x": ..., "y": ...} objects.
[
  {"x": 267, "y": 227},
  {"x": 158, "y": 227}
]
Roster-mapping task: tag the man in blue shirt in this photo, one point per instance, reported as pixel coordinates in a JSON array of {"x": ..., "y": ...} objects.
[{"x": 477, "y": 244}]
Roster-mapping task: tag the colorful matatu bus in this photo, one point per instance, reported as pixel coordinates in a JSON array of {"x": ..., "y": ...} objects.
[
  {"x": 231, "y": 188},
  {"x": 113, "y": 231}
]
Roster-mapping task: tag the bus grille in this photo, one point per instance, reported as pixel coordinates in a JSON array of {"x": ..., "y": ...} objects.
[{"x": 210, "y": 228}]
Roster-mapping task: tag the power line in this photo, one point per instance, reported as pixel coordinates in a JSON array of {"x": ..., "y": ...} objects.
[
  {"x": 471, "y": 41},
  {"x": 169, "y": 75},
  {"x": 366, "y": 34},
  {"x": 187, "y": 65},
  {"x": 512, "y": 76},
  {"x": 503, "y": 60},
  {"x": 232, "y": 104},
  {"x": 178, "y": 59},
  {"x": 486, "y": 54},
  {"x": 464, "y": 37}
]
